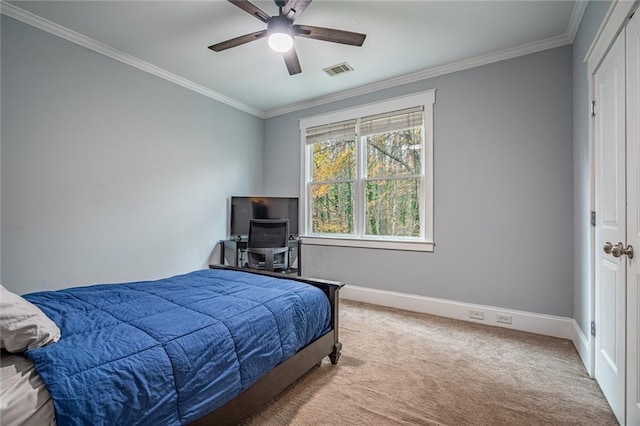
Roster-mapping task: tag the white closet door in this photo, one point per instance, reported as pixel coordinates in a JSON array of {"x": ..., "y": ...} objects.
[
  {"x": 633, "y": 220},
  {"x": 610, "y": 192}
]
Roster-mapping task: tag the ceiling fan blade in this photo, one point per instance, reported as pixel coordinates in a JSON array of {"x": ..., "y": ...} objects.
[
  {"x": 238, "y": 41},
  {"x": 291, "y": 59},
  {"x": 294, "y": 8},
  {"x": 251, "y": 9},
  {"x": 329, "y": 34}
]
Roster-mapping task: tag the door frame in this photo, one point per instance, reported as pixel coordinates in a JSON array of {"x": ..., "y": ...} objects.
[{"x": 614, "y": 22}]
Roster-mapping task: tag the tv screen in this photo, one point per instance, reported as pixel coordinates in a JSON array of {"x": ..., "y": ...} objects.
[{"x": 245, "y": 208}]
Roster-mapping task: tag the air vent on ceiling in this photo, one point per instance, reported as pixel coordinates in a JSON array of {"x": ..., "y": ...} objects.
[{"x": 338, "y": 69}]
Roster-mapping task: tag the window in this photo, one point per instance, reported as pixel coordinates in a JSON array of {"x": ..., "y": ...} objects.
[{"x": 368, "y": 175}]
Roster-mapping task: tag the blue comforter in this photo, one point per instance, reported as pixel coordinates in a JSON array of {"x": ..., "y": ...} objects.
[{"x": 169, "y": 351}]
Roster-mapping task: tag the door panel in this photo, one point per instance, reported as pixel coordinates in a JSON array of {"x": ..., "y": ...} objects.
[
  {"x": 610, "y": 194},
  {"x": 608, "y": 329},
  {"x": 633, "y": 219},
  {"x": 633, "y": 352}
]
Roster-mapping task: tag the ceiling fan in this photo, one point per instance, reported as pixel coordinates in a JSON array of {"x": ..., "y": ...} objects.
[{"x": 281, "y": 30}]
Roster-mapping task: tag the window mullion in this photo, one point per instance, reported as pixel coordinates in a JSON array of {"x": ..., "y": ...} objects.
[
  {"x": 329, "y": 182},
  {"x": 427, "y": 127},
  {"x": 393, "y": 177}
]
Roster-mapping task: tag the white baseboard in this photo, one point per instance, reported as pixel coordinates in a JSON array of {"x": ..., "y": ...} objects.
[
  {"x": 581, "y": 342},
  {"x": 548, "y": 325}
]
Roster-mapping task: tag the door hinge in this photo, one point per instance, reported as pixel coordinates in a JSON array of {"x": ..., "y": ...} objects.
[
  {"x": 593, "y": 108},
  {"x": 593, "y": 328},
  {"x": 593, "y": 218}
]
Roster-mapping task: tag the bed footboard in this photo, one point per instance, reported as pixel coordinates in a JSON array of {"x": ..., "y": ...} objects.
[{"x": 287, "y": 372}]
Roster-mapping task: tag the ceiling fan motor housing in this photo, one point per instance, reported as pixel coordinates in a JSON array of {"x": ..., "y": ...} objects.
[{"x": 279, "y": 24}]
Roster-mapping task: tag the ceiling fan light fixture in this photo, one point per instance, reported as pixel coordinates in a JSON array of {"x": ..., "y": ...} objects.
[
  {"x": 280, "y": 42},
  {"x": 280, "y": 34}
]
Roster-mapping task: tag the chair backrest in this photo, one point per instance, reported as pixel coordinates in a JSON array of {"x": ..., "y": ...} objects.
[{"x": 265, "y": 233}]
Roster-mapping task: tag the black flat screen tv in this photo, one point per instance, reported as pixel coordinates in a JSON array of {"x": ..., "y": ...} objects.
[{"x": 245, "y": 208}]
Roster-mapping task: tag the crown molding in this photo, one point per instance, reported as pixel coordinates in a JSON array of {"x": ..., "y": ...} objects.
[
  {"x": 36, "y": 21},
  {"x": 501, "y": 55},
  {"x": 576, "y": 17},
  {"x": 579, "y": 8}
]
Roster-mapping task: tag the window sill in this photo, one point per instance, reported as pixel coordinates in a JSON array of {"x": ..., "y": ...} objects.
[{"x": 370, "y": 244}]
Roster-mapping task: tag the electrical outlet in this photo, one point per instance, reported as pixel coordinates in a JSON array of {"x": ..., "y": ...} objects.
[
  {"x": 503, "y": 318},
  {"x": 476, "y": 315}
]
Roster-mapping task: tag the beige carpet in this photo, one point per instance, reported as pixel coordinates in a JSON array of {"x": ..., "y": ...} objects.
[{"x": 399, "y": 367}]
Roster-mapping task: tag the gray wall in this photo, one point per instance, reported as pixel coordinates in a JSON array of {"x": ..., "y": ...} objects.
[
  {"x": 503, "y": 189},
  {"x": 108, "y": 173},
  {"x": 591, "y": 21}
]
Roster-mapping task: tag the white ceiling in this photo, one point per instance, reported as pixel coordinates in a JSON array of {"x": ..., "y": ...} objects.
[{"x": 406, "y": 41}]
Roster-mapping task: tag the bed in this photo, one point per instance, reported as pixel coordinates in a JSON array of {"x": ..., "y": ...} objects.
[{"x": 208, "y": 347}]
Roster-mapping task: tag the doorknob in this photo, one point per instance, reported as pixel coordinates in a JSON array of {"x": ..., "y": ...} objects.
[
  {"x": 619, "y": 249},
  {"x": 607, "y": 247},
  {"x": 616, "y": 251}
]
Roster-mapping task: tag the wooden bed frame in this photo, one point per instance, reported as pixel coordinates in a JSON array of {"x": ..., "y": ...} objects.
[{"x": 290, "y": 370}]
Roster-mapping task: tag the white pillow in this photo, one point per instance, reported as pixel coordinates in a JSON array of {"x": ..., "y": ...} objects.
[{"x": 23, "y": 325}]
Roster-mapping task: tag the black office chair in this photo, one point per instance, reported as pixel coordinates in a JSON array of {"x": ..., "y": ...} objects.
[{"x": 268, "y": 244}]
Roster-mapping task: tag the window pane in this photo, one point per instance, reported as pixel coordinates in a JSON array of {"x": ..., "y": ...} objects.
[
  {"x": 334, "y": 160},
  {"x": 395, "y": 153},
  {"x": 393, "y": 207},
  {"x": 332, "y": 208}
]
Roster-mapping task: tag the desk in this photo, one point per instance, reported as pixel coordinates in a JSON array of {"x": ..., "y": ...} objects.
[{"x": 233, "y": 252}]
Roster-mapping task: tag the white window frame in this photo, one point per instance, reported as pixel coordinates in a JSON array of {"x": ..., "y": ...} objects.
[{"x": 425, "y": 242}]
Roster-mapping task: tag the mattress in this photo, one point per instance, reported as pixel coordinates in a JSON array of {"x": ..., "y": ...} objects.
[{"x": 172, "y": 350}]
